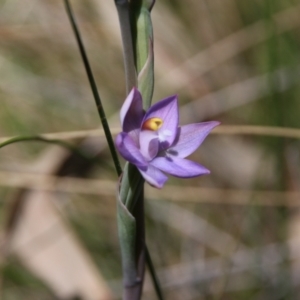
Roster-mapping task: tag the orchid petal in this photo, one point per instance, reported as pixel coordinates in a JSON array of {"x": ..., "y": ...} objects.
[
  {"x": 129, "y": 150},
  {"x": 132, "y": 112},
  {"x": 167, "y": 111},
  {"x": 190, "y": 138},
  {"x": 149, "y": 144},
  {"x": 179, "y": 167},
  {"x": 154, "y": 176}
]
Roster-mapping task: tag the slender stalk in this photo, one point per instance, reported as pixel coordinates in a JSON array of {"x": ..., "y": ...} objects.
[
  {"x": 92, "y": 82},
  {"x": 134, "y": 191},
  {"x": 154, "y": 277},
  {"x": 135, "y": 204}
]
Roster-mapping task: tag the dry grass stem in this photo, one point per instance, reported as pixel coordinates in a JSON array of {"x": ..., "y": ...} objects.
[
  {"x": 293, "y": 133},
  {"x": 187, "y": 194}
]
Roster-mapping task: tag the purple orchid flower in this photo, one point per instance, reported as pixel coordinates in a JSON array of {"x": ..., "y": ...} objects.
[{"x": 154, "y": 142}]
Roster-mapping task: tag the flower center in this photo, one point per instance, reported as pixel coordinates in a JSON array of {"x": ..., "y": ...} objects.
[{"x": 152, "y": 124}]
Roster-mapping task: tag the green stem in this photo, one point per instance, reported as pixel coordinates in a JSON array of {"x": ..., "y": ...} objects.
[
  {"x": 133, "y": 193},
  {"x": 97, "y": 98},
  {"x": 154, "y": 277}
]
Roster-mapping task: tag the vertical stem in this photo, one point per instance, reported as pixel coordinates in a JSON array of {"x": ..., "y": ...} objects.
[
  {"x": 134, "y": 291},
  {"x": 92, "y": 82},
  {"x": 154, "y": 276},
  {"x": 135, "y": 203}
]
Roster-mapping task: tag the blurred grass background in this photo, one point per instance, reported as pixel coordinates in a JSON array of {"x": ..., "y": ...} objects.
[{"x": 234, "y": 234}]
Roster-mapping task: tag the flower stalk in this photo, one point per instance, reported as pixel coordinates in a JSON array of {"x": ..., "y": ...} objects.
[{"x": 139, "y": 71}]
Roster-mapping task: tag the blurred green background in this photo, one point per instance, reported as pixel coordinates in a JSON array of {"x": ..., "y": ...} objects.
[{"x": 234, "y": 234}]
